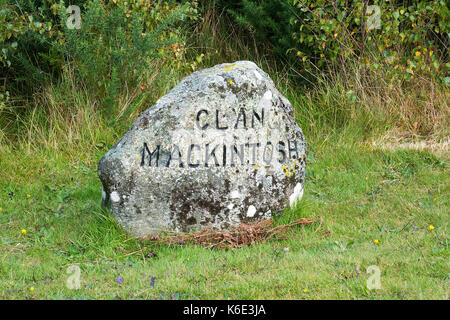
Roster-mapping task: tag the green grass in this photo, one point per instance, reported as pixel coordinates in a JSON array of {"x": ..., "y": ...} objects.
[
  {"x": 51, "y": 142},
  {"x": 362, "y": 195}
]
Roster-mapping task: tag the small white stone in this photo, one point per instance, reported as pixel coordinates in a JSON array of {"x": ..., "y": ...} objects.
[
  {"x": 115, "y": 197},
  {"x": 251, "y": 211},
  {"x": 235, "y": 194},
  {"x": 296, "y": 195}
]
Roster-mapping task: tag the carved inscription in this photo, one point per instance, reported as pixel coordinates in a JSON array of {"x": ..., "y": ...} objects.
[{"x": 199, "y": 154}]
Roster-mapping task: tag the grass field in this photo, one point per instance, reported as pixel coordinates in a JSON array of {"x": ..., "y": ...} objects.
[
  {"x": 384, "y": 208},
  {"x": 375, "y": 120}
]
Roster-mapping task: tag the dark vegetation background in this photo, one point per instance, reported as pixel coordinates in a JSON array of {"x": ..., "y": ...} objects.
[
  {"x": 370, "y": 90},
  {"x": 391, "y": 65}
]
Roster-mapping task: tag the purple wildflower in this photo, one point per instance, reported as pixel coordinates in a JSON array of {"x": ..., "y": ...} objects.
[{"x": 152, "y": 282}]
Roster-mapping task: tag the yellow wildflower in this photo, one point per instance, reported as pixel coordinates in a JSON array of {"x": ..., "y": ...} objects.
[
  {"x": 431, "y": 227},
  {"x": 24, "y": 231},
  {"x": 31, "y": 288},
  {"x": 418, "y": 53},
  {"x": 376, "y": 241},
  {"x": 28, "y": 195},
  {"x": 305, "y": 290}
]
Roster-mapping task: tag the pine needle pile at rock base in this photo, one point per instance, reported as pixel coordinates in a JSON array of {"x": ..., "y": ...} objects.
[{"x": 243, "y": 235}]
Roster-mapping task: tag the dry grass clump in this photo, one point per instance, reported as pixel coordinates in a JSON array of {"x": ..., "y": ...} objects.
[
  {"x": 242, "y": 235},
  {"x": 396, "y": 139}
]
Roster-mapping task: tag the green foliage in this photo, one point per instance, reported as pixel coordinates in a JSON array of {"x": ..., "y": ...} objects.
[
  {"x": 266, "y": 20},
  {"x": 155, "y": 13},
  {"x": 362, "y": 194},
  {"x": 112, "y": 49},
  {"x": 28, "y": 31},
  {"x": 22, "y": 36},
  {"x": 363, "y": 189},
  {"x": 399, "y": 38},
  {"x": 11, "y": 26},
  {"x": 393, "y": 39}
]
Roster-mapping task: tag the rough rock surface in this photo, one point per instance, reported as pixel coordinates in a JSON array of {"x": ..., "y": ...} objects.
[{"x": 221, "y": 148}]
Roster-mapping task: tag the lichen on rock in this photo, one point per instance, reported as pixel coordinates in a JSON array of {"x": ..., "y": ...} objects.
[{"x": 221, "y": 148}]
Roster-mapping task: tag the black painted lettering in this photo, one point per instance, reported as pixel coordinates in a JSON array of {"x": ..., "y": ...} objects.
[
  {"x": 175, "y": 155},
  {"x": 293, "y": 149},
  {"x": 241, "y": 114},
  {"x": 234, "y": 152},
  {"x": 146, "y": 149},
  {"x": 217, "y": 122},
  {"x": 254, "y": 146},
  {"x": 282, "y": 152},
  {"x": 198, "y": 120},
  {"x": 209, "y": 155},
  {"x": 189, "y": 153},
  {"x": 266, "y": 160},
  {"x": 224, "y": 155},
  {"x": 259, "y": 117}
]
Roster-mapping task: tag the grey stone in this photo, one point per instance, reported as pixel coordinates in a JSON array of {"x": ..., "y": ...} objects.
[{"x": 221, "y": 148}]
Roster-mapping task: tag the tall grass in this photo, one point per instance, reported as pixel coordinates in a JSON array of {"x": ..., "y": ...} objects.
[
  {"x": 344, "y": 103},
  {"x": 336, "y": 102},
  {"x": 351, "y": 99},
  {"x": 51, "y": 142},
  {"x": 65, "y": 116}
]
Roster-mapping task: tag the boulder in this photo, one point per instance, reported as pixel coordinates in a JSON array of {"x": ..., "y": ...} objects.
[{"x": 221, "y": 148}]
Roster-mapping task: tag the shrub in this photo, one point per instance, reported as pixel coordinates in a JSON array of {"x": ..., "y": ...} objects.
[
  {"x": 266, "y": 20},
  {"x": 113, "y": 47},
  {"x": 28, "y": 31},
  {"x": 395, "y": 39}
]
